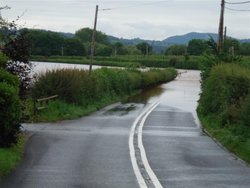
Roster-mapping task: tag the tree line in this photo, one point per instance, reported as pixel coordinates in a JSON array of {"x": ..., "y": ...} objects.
[
  {"x": 198, "y": 47},
  {"x": 48, "y": 43}
]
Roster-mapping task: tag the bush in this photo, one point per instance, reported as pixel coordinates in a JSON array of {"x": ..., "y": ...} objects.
[
  {"x": 3, "y": 60},
  {"x": 225, "y": 93},
  {"x": 224, "y": 107},
  {"x": 10, "y": 109},
  {"x": 77, "y": 87}
]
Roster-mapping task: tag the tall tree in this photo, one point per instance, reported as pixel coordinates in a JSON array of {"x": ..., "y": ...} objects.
[
  {"x": 16, "y": 47},
  {"x": 145, "y": 48},
  {"x": 176, "y": 50},
  {"x": 74, "y": 47},
  {"x": 85, "y": 35},
  {"x": 197, "y": 47}
]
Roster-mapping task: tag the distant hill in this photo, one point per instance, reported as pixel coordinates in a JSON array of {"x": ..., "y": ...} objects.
[
  {"x": 245, "y": 40},
  {"x": 67, "y": 35},
  {"x": 184, "y": 39},
  {"x": 159, "y": 46}
]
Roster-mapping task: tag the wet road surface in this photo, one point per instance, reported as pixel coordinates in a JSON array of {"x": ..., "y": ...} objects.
[
  {"x": 179, "y": 153},
  {"x": 94, "y": 151},
  {"x": 89, "y": 152}
]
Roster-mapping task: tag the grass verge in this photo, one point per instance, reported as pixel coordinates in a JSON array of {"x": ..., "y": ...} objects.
[
  {"x": 59, "y": 110},
  {"x": 10, "y": 157},
  {"x": 236, "y": 138}
]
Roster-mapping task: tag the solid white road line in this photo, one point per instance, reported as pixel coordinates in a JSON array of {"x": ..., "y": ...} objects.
[
  {"x": 137, "y": 171},
  {"x": 149, "y": 170}
]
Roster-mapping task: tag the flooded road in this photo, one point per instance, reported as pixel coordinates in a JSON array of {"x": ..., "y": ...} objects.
[
  {"x": 182, "y": 93},
  {"x": 101, "y": 150}
]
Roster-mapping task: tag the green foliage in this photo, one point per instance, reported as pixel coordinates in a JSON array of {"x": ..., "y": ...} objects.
[
  {"x": 197, "y": 47},
  {"x": 245, "y": 49},
  {"x": 176, "y": 50},
  {"x": 85, "y": 35},
  {"x": 16, "y": 45},
  {"x": 45, "y": 43},
  {"x": 17, "y": 48},
  {"x": 76, "y": 88},
  {"x": 120, "y": 49},
  {"x": 145, "y": 48},
  {"x": 236, "y": 138},
  {"x": 224, "y": 107},
  {"x": 10, "y": 157},
  {"x": 224, "y": 92},
  {"x": 103, "y": 50},
  {"x": 245, "y": 110},
  {"x": 9, "y": 108},
  {"x": 3, "y": 60},
  {"x": 214, "y": 56},
  {"x": 73, "y": 47}
]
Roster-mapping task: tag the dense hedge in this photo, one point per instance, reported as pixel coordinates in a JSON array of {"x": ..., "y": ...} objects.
[
  {"x": 226, "y": 94},
  {"x": 9, "y": 108},
  {"x": 77, "y": 87},
  {"x": 224, "y": 107}
]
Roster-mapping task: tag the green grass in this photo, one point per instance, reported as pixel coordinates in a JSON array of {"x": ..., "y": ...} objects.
[
  {"x": 224, "y": 107},
  {"x": 60, "y": 110},
  {"x": 236, "y": 138},
  {"x": 10, "y": 157},
  {"x": 80, "y": 94}
]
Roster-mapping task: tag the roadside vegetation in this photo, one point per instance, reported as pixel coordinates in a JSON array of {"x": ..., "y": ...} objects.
[
  {"x": 224, "y": 105},
  {"x": 79, "y": 93},
  {"x": 11, "y": 156},
  {"x": 14, "y": 81}
]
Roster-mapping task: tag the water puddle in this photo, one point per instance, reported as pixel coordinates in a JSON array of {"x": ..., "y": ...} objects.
[
  {"x": 147, "y": 94},
  {"x": 121, "y": 110}
]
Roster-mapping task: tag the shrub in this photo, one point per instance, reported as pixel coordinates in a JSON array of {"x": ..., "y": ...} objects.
[
  {"x": 76, "y": 86},
  {"x": 10, "y": 109},
  {"x": 225, "y": 93}
]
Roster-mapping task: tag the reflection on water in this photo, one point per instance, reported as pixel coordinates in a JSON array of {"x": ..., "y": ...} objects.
[
  {"x": 121, "y": 110},
  {"x": 146, "y": 94}
]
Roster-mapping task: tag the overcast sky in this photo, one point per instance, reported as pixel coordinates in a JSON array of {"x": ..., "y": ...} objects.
[{"x": 150, "y": 19}]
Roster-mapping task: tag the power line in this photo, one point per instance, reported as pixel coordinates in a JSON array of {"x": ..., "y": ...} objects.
[
  {"x": 132, "y": 6},
  {"x": 237, "y": 3},
  {"x": 239, "y": 10}
]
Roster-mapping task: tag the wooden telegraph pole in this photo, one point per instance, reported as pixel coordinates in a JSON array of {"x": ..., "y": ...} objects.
[
  {"x": 92, "y": 51},
  {"x": 221, "y": 26}
]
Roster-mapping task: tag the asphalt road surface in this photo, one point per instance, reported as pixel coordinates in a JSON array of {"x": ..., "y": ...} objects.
[{"x": 132, "y": 145}]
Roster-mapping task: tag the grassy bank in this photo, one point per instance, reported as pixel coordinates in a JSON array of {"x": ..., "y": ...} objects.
[
  {"x": 80, "y": 94},
  {"x": 10, "y": 157},
  {"x": 224, "y": 107}
]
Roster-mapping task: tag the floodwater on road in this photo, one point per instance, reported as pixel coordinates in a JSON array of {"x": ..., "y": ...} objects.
[{"x": 182, "y": 93}]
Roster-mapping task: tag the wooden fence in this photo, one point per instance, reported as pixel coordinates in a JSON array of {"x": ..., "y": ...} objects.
[{"x": 40, "y": 104}]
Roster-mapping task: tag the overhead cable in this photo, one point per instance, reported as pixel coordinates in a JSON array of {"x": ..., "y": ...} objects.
[
  {"x": 239, "y": 10},
  {"x": 237, "y": 3},
  {"x": 132, "y": 6}
]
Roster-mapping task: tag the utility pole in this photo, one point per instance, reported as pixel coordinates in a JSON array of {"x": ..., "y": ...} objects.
[
  {"x": 225, "y": 34},
  {"x": 221, "y": 26},
  {"x": 92, "y": 51},
  {"x": 62, "y": 51}
]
